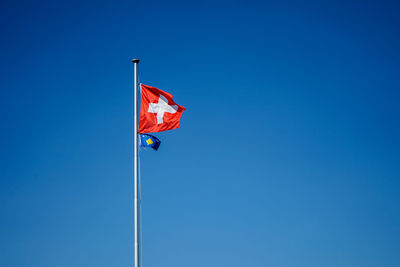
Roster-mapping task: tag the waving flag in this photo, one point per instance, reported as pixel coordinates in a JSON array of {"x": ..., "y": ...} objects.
[
  {"x": 147, "y": 140},
  {"x": 158, "y": 111}
]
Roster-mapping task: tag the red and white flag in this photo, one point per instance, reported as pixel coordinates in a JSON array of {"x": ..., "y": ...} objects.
[{"x": 158, "y": 111}]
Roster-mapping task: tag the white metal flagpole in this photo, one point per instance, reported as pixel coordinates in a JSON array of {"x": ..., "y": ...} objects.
[{"x": 135, "y": 168}]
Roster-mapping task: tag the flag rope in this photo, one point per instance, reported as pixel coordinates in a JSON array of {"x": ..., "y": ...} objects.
[{"x": 140, "y": 190}]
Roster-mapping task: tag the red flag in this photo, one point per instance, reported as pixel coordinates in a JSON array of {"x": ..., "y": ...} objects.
[{"x": 158, "y": 112}]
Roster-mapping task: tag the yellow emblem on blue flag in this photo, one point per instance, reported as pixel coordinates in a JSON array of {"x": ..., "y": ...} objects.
[{"x": 149, "y": 141}]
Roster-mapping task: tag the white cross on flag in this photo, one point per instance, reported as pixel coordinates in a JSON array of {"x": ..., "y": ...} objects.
[{"x": 158, "y": 111}]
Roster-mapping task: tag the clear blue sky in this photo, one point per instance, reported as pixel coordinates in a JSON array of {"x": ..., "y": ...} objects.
[{"x": 288, "y": 153}]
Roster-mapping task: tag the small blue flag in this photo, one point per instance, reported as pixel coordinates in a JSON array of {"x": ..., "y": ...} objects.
[{"x": 147, "y": 140}]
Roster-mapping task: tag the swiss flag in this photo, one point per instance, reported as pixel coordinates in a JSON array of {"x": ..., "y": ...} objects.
[{"x": 158, "y": 112}]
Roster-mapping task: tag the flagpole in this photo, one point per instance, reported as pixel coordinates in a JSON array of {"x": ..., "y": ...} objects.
[{"x": 135, "y": 168}]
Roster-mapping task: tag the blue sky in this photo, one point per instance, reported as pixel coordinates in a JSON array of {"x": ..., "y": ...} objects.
[{"x": 287, "y": 156}]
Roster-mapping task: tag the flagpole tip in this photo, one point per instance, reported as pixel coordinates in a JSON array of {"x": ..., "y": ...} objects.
[{"x": 135, "y": 60}]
